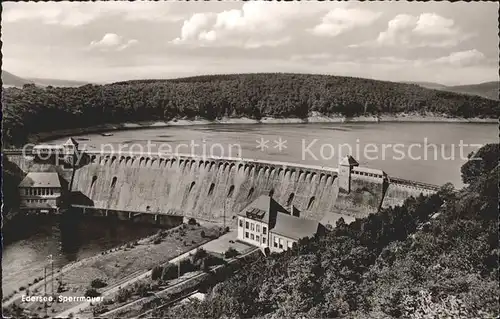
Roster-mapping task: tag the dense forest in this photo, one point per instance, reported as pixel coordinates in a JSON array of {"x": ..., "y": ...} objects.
[
  {"x": 32, "y": 109},
  {"x": 433, "y": 257}
]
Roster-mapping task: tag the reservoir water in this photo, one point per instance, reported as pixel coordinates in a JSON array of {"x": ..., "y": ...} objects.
[{"x": 427, "y": 152}]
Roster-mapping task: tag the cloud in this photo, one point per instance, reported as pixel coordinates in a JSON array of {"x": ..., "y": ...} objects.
[
  {"x": 112, "y": 42},
  {"x": 428, "y": 29},
  {"x": 73, "y": 14},
  {"x": 256, "y": 24},
  {"x": 339, "y": 20},
  {"x": 462, "y": 58},
  {"x": 433, "y": 24}
]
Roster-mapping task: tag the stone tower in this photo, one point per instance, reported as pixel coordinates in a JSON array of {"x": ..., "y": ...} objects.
[{"x": 345, "y": 170}]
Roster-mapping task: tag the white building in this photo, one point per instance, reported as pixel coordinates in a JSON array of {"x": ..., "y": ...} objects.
[
  {"x": 40, "y": 192},
  {"x": 266, "y": 224}
]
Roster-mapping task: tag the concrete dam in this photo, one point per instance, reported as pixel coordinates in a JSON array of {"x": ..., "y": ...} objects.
[{"x": 216, "y": 189}]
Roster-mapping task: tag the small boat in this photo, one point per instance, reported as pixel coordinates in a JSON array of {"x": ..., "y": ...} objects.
[{"x": 107, "y": 134}]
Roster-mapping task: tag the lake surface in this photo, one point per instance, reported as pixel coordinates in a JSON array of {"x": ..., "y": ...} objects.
[{"x": 426, "y": 152}]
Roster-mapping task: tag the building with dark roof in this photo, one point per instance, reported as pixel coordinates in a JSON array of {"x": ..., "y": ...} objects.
[
  {"x": 265, "y": 223},
  {"x": 40, "y": 192}
]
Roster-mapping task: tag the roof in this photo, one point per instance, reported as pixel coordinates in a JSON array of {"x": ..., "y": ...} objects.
[
  {"x": 294, "y": 227},
  {"x": 71, "y": 141},
  {"x": 39, "y": 179},
  {"x": 264, "y": 209},
  {"x": 349, "y": 161}
]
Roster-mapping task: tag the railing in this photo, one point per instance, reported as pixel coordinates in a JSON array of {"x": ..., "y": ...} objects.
[
  {"x": 208, "y": 158},
  {"x": 414, "y": 183}
]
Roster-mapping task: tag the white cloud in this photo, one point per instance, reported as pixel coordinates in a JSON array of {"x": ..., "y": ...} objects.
[
  {"x": 339, "y": 20},
  {"x": 256, "y": 24},
  {"x": 462, "y": 58},
  {"x": 73, "y": 14},
  {"x": 427, "y": 29},
  {"x": 433, "y": 24},
  {"x": 112, "y": 42}
]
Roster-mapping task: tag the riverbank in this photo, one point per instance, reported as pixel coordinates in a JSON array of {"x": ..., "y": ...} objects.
[{"x": 313, "y": 118}]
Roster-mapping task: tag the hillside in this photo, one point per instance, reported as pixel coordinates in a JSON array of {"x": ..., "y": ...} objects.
[
  {"x": 434, "y": 257},
  {"x": 488, "y": 90},
  {"x": 33, "y": 109},
  {"x": 11, "y": 80}
]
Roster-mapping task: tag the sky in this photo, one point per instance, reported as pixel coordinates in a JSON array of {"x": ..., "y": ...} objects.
[{"x": 101, "y": 42}]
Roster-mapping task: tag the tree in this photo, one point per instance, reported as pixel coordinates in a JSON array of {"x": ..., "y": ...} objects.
[{"x": 481, "y": 162}]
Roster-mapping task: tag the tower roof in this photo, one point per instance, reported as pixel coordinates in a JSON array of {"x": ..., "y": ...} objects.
[
  {"x": 349, "y": 161},
  {"x": 71, "y": 141}
]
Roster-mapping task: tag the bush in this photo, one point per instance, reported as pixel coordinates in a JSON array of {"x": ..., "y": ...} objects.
[
  {"x": 202, "y": 234},
  {"x": 186, "y": 266},
  {"x": 99, "y": 309},
  {"x": 92, "y": 293},
  {"x": 156, "y": 273},
  {"x": 98, "y": 283},
  {"x": 192, "y": 221},
  {"x": 21, "y": 288},
  {"x": 231, "y": 253},
  {"x": 157, "y": 241},
  {"x": 198, "y": 255},
  {"x": 142, "y": 289},
  {"x": 123, "y": 295},
  {"x": 169, "y": 272},
  {"x": 226, "y": 230}
]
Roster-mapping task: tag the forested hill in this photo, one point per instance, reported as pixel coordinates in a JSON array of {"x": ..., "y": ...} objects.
[
  {"x": 33, "y": 109},
  {"x": 434, "y": 257}
]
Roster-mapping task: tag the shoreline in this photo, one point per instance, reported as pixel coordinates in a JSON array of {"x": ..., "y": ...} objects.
[{"x": 313, "y": 119}]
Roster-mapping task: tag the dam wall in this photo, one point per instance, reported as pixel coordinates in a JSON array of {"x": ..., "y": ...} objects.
[
  {"x": 367, "y": 189},
  {"x": 216, "y": 189},
  {"x": 400, "y": 189},
  {"x": 208, "y": 189}
]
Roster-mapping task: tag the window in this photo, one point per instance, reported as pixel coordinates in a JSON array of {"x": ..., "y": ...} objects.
[
  {"x": 257, "y": 227},
  {"x": 246, "y": 225},
  {"x": 281, "y": 243},
  {"x": 246, "y": 234},
  {"x": 257, "y": 238},
  {"x": 263, "y": 240},
  {"x": 290, "y": 199},
  {"x": 241, "y": 222},
  {"x": 231, "y": 190},
  {"x": 250, "y": 193},
  {"x": 52, "y": 191},
  {"x": 252, "y": 227},
  {"x": 211, "y": 190},
  {"x": 311, "y": 202},
  {"x": 264, "y": 230},
  {"x": 113, "y": 181},
  {"x": 252, "y": 237},
  {"x": 275, "y": 241}
]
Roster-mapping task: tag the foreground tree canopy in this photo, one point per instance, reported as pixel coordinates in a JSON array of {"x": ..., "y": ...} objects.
[
  {"x": 33, "y": 109},
  {"x": 434, "y": 257}
]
